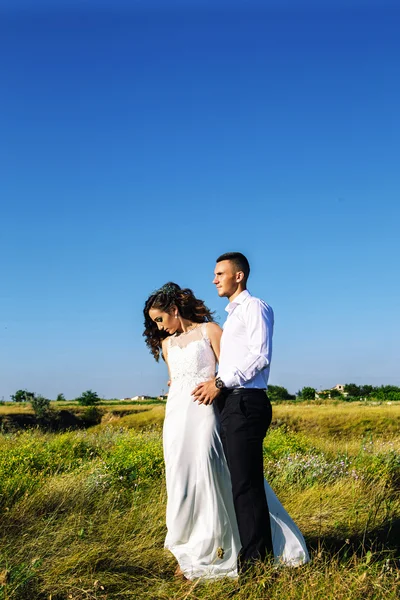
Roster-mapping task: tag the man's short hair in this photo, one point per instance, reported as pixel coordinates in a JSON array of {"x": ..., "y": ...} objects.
[{"x": 239, "y": 260}]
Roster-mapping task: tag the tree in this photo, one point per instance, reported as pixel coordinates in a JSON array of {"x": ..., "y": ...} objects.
[
  {"x": 278, "y": 393},
  {"x": 387, "y": 392},
  {"x": 88, "y": 398},
  {"x": 352, "y": 389},
  {"x": 60, "y": 398},
  {"x": 366, "y": 390},
  {"x": 41, "y": 406},
  {"x": 22, "y": 396},
  {"x": 308, "y": 393}
]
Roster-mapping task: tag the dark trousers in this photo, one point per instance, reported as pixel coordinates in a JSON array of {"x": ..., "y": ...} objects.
[{"x": 245, "y": 417}]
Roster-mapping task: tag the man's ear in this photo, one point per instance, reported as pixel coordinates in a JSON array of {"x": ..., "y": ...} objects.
[{"x": 239, "y": 276}]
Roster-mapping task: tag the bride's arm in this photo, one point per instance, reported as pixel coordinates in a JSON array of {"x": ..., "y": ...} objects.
[
  {"x": 206, "y": 392},
  {"x": 164, "y": 346},
  {"x": 214, "y": 333}
]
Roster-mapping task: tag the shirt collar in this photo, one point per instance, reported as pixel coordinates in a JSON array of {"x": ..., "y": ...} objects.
[{"x": 238, "y": 300}]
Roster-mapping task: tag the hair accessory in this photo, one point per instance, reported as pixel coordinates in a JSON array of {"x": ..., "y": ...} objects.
[{"x": 168, "y": 288}]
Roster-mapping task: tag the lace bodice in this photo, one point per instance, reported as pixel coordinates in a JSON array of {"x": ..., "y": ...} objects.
[{"x": 191, "y": 359}]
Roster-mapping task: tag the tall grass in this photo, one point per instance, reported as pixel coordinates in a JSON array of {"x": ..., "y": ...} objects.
[{"x": 82, "y": 514}]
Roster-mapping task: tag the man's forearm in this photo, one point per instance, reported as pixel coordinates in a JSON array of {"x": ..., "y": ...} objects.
[{"x": 241, "y": 374}]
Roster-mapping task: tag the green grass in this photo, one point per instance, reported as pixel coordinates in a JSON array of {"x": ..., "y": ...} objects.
[{"x": 82, "y": 513}]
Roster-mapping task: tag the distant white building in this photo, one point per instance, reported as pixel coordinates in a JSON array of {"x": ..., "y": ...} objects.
[
  {"x": 135, "y": 398},
  {"x": 339, "y": 387}
]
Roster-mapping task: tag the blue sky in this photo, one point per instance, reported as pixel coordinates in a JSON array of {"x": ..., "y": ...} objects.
[{"x": 139, "y": 143}]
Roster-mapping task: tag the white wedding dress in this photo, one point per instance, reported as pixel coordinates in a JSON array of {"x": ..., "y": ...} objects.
[{"x": 201, "y": 522}]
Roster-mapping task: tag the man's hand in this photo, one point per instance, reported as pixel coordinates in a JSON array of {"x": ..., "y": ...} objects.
[{"x": 205, "y": 393}]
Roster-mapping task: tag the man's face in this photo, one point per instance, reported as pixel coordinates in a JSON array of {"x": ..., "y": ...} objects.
[
  {"x": 225, "y": 278},
  {"x": 165, "y": 321}
]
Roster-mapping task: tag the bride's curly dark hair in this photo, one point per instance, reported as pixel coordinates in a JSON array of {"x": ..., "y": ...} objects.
[{"x": 171, "y": 294}]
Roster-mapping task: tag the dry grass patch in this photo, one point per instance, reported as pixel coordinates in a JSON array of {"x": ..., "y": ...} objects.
[
  {"x": 141, "y": 418},
  {"x": 340, "y": 421}
]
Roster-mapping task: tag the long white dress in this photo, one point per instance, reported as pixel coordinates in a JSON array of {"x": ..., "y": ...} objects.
[{"x": 201, "y": 522}]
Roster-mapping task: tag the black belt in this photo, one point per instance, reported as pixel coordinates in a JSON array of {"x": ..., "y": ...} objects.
[{"x": 230, "y": 391}]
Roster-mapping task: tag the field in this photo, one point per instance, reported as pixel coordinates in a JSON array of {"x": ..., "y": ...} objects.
[{"x": 82, "y": 512}]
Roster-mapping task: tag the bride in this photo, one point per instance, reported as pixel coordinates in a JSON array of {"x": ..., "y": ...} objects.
[{"x": 202, "y": 532}]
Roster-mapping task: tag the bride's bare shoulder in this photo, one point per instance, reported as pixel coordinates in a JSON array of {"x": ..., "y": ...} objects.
[
  {"x": 214, "y": 330},
  {"x": 164, "y": 347}
]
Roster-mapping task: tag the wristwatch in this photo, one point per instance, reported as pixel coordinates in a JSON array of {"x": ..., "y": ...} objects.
[{"x": 219, "y": 384}]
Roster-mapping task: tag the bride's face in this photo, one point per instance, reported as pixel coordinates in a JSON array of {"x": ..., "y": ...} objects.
[{"x": 165, "y": 321}]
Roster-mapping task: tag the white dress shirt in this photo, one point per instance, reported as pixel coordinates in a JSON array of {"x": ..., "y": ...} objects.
[{"x": 246, "y": 343}]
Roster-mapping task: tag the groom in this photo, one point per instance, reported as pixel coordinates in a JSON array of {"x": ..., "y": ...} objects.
[{"x": 239, "y": 391}]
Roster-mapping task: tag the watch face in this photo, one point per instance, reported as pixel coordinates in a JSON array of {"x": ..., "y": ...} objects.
[{"x": 219, "y": 383}]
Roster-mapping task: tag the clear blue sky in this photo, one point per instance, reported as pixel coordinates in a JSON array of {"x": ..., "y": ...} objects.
[{"x": 137, "y": 144}]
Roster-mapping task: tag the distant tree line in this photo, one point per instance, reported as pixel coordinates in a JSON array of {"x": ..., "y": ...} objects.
[
  {"x": 88, "y": 398},
  {"x": 351, "y": 392},
  {"x": 383, "y": 392},
  {"x": 276, "y": 393}
]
